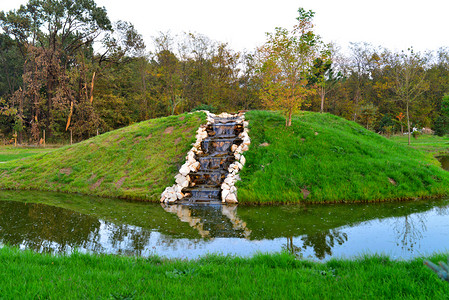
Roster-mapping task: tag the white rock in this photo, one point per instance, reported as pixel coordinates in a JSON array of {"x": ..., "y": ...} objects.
[
  {"x": 245, "y": 148},
  {"x": 195, "y": 166},
  {"x": 184, "y": 184},
  {"x": 180, "y": 179},
  {"x": 245, "y": 123},
  {"x": 231, "y": 198},
  {"x": 224, "y": 194},
  {"x": 237, "y": 156},
  {"x": 225, "y": 186},
  {"x": 169, "y": 190},
  {"x": 179, "y": 195},
  {"x": 178, "y": 189},
  {"x": 242, "y": 160},
  {"x": 184, "y": 170},
  {"x": 234, "y": 147},
  {"x": 239, "y": 165},
  {"x": 190, "y": 156},
  {"x": 233, "y": 190},
  {"x": 171, "y": 198},
  {"x": 230, "y": 180}
]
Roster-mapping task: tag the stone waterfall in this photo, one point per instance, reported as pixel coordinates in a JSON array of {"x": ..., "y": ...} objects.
[{"x": 212, "y": 165}]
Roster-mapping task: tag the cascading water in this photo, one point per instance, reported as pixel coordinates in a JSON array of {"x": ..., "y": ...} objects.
[
  {"x": 217, "y": 155},
  {"x": 212, "y": 165}
]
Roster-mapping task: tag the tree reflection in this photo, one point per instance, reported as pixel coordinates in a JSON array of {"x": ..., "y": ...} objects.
[
  {"x": 409, "y": 230},
  {"x": 321, "y": 242},
  {"x": 34, "y": 226}
]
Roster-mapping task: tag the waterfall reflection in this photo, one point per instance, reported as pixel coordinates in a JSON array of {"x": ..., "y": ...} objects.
[{"x": 211, "y": 220}]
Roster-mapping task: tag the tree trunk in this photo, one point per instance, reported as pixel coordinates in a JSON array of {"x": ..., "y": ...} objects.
[
  {"x": 356, "y": 100},
  {"x": 322, "y": 94},
  {"x": 288, "y": 121},
  {"x": 92, "y": 88},
  {"x": 408, "y": 123}
]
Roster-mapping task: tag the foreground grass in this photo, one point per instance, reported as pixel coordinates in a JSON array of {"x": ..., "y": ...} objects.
[
  {"x": 135, "y": 162},
  {"x": 433, "y": 144},
  {"x": 8, "y": 153},
  {"x": 324, "y": 158},
  {"x": 27, "y": 275}
]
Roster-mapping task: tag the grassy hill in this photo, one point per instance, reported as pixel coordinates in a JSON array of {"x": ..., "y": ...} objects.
[
  {"x": 324, "y": 158},
  {"x": 320, "y": 158},
  {"x": 135, "y": 162}
]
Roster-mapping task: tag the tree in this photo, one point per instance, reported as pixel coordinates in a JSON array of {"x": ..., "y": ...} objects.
[
  {"x": 368, "y": 114},
  {"x": 50, "y": 35},
  {"x": 324, "y": 76},
  {"x": 410, "y": 80},
  {"x": 285, "y": 63},
  {"x": 442, "y": 122},
  {"x": 360, "y": 68}
]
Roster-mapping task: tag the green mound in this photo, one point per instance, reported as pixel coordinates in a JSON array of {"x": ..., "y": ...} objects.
[
  {"x": 320, "y": 158},
  {"x": 324, "y": 158},
  {"x": 135, "y": 162}
]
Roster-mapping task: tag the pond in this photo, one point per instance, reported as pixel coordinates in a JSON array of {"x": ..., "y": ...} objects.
[{"x": 404, "y": 230}]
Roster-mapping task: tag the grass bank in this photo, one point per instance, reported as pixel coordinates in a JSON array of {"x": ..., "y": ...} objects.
[
  {"x": 324, "y": 158},
  {"x": 8, "y": 153},
  {"x": 276, "y": 276},
  {"x": 320, "y": 158},
  {"x": 436, "y": 145},
  {"x": 135, "y": 162}
]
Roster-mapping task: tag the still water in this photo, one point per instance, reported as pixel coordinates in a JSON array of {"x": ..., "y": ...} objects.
[{"x": 402, "y": 230}]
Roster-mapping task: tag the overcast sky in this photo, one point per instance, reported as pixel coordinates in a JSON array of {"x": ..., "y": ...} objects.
[{"x": 394, "y": 24}]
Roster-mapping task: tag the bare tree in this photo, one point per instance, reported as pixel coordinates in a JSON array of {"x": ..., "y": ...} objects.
[{"x": 410, "y": 79}]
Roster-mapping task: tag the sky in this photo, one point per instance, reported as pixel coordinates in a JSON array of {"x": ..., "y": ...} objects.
[{"x": 393, "y": 24}]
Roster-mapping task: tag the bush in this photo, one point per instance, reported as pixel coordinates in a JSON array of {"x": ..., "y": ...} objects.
[{"x": 208, "y": 107}]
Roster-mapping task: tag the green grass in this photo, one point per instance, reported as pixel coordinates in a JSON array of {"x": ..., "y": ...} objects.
[
  {"x": 434, "y": 144},
  {"x": 8, "y": 153},
  {"x": 330, "y": 159},
  {"x": 135, "y": 162},
  {"x": 275, "y": 276},
  {"x": 321, "y": 156}
]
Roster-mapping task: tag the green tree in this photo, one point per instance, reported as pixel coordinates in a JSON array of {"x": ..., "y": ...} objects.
[
  {"x": 324, "y": 76},
  {"x": 285, "y": 63},
  {"x": 441, "y": 125}
]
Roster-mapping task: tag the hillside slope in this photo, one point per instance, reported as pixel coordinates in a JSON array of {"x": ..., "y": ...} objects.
[
  {"x": 324, "y": 158},
  {"x": 135, "y": 162},
  {"x": 320, "y": 158}
]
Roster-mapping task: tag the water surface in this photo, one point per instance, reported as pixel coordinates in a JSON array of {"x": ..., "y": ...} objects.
[{"x": 402, "y": 230}]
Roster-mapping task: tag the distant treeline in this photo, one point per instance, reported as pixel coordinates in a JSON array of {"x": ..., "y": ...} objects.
[{"x": 66, "y": 67}]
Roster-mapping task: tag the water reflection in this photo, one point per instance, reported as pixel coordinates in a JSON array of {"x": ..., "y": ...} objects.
[
  {"x": 211, "y": 220},
  {"x": 409, "y": 230},
  {"x": 402, "y": 230}
]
